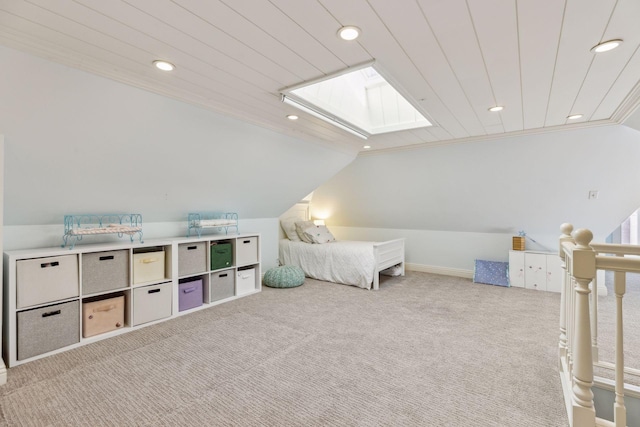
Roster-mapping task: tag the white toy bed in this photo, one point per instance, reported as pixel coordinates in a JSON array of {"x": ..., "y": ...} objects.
[{"x": 346, "y": 262}]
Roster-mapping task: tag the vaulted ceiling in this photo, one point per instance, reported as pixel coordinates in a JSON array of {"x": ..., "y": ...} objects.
[{"x": 453, "y": 59}]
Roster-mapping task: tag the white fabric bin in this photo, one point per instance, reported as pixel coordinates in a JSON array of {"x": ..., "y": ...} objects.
[
  {"x": 43, "y": 280},
  {"x": 246, "y": 251},
  {"x": 245, "y": 281}
]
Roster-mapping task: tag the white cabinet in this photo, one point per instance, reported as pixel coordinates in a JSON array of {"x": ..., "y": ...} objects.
[
  {"x": 535, "y": 270},
  {"x": 554, "y": 273},
  {"x": 516, "y": 269},
  {"x": 44, "y": 289}
]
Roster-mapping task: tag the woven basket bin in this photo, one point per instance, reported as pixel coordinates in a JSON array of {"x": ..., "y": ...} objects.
[{"x": 518, "y": 243}]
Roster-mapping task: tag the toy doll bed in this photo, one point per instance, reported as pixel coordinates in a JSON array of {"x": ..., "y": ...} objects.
[
  {"x": 346, "y": 262},
  {"x": 77, "y": 226}
]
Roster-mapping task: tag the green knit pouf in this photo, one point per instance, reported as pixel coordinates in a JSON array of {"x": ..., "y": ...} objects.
[{"x": 286, "y": 276}]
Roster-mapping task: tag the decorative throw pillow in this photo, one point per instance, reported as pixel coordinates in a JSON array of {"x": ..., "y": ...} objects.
[
  {"x": 301, "y": 226},
  {"x": 289, "y": 227},
  {"x": 319, "y": 234}
]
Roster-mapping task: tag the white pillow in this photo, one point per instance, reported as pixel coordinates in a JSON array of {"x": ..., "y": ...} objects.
[
  {"x": 319, "y": 234},
  {"x": 289, "y": 227},
  {"x": 301, "y": 226}
]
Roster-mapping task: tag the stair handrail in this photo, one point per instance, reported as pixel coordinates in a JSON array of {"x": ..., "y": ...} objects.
[{"x": 578, "y": 351}]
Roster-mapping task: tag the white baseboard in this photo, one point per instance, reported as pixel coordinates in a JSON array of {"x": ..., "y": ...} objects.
[
  {"x": 447, "y": 271},
  {"x": 3, "y": 373}
]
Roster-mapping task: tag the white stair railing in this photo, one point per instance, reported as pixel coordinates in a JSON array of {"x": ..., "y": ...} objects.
[{"x": 578, "y": 344}]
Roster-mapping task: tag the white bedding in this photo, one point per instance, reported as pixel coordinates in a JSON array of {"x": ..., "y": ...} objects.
[{"x": 346, "y": 262}]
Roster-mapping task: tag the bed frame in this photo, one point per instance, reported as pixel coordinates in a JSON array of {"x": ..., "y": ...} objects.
[{"x": 387, "y": 254}]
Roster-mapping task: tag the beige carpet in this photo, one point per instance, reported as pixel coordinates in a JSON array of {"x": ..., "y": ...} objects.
[{"x": 425, "y": 350}]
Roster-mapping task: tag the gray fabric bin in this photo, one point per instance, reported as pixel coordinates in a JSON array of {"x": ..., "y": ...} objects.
[
  {"x": 192, "y": 258},
  {"x": 152, "y": 303},
  {"x": 105, "y": 271},
  {"x": 222, "y": 285},
  {"x": 48, "y": 328}
]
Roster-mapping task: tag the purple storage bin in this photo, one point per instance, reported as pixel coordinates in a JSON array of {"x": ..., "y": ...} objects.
[{"x": 190, "y": 294}]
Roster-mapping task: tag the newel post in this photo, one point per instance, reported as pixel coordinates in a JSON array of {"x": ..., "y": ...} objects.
[
  {"x": 566, "y": 230},
  {"x": 583, "y": 270}
]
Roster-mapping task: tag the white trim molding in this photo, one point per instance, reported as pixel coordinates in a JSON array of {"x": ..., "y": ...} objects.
[
  {"x": 3, "y": 373},
  {"x": 446, "y": 271}
]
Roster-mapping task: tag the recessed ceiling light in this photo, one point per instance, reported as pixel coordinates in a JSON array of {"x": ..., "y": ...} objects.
[
  {"x": 349, "y": 32},
  {"x": 292, "y": 117},
  {"x": 574, "y": 116},
  {"x": 496, "y": 108},
  {"x": 366, "y": 147},
  {"x": 606, "y": 46},
  {"x": 164, "y": 65}
]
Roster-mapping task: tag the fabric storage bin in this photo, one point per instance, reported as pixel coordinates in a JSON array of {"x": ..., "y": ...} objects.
[
  {"x": 190, "y": 294},
  {"x": 48, "y": 328},
  {"x": 151, "y": 303},
  {"x": 222, "y": 285},
  {"x": 246, "y": 250},
  {"x": 192, "y": 258},
  {"x": 102, "y": 316},
  {"x": 43, "y": 280},
  {"x": 221, "y": 255},
  {"x": 246, "y": 281},
  {"x": 105, "y": 271},
  {"x": 148, "y": 265}
]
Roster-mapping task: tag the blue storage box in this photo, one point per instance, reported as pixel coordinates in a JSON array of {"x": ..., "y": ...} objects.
[{"x": 491, "y": 273}]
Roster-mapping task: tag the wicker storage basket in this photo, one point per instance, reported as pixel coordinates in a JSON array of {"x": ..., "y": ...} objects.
[{"x": 518, "y": 243}]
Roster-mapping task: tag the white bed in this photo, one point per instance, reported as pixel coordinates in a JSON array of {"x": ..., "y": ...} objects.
[{"x": 347, "y": 262}]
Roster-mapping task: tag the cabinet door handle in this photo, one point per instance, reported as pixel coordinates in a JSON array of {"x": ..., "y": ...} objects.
[
  {"x": 149, "y": 260},
  {"x": 105, "y": 258},
  {"x": 153, "y": 291},
  {"x": 190, "y": 248},
  {"x": 51, "y": 313},
  {"x": 188, "y": 290},
  {"x": 223, "y": 275},
  {"x": 246, "y": 241},
  {"x": 49, "y": 264}
]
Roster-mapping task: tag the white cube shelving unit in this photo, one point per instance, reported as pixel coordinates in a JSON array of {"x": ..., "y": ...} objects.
[{"x": 44, "y": 289}]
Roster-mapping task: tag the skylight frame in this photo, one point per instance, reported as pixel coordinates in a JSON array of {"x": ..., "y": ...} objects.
[{"x": 334, "y": 117}]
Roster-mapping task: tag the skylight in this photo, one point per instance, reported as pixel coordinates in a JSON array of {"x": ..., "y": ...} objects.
[{"x": 362, "y": 100}]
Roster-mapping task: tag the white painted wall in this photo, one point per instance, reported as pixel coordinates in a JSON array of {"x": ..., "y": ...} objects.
[
  {"x": 480, "y": 194},
  {"x": 444, "y": 252},
  {"x": 79, "y": 143},
  {"x": 3, "y": 368}
]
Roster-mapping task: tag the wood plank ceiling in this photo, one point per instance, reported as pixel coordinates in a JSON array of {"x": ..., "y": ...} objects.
[{"x": 453, "y": 58}]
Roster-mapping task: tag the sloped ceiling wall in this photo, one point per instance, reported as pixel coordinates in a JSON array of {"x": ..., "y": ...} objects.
[
  {"x": 532, "y": 183},
  {"x": 78, "y": 143},
  {"x": 633, "y": 121}
]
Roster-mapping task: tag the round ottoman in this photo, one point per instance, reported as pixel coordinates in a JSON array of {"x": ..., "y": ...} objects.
[{"x": 286, "y": 276}]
